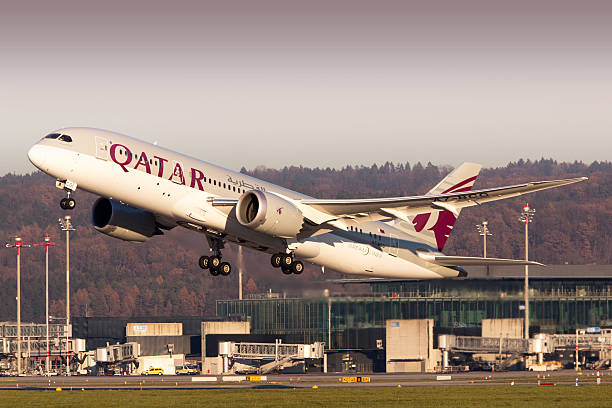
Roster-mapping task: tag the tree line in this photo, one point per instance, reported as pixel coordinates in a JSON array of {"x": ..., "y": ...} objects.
[{"x": 161, "y": 277}]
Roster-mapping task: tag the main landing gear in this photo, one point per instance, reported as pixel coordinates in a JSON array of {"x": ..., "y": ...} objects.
[
  {"x": 287, "y": 264},
  {"x": 213, "y": 263}
]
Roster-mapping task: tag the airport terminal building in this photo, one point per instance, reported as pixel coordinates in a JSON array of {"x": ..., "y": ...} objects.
[
  {"x": 562, "y": 298},
  {"x": 376, "y": 326}
]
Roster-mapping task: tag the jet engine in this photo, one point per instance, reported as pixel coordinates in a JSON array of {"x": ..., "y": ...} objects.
[
  {"x": 270, "y": 214},
  {"x": 121, "y": 221}
]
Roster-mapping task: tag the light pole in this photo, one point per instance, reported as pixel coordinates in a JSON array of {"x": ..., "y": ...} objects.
[
  {"x": 47, "y": 243},
  {"x": 483, "y": 229},
  {"x": 526, "y": 217},
  {"x": 18, "y": 243},
  {"x": 66, "y": 225}
]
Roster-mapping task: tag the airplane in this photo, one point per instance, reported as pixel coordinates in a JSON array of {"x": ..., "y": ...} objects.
[{"x": 146, "y": 189}]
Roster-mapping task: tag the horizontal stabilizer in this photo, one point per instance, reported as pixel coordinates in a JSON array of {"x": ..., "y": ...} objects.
[{"x": 445, "y": 260}]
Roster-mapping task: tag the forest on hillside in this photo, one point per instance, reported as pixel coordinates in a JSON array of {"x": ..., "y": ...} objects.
[{"x": 161, "y": 277}]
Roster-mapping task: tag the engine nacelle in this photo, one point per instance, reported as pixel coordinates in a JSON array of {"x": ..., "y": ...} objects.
[
  {"x": 121, "y": 221},
  {"x": 269, "y": 213}
]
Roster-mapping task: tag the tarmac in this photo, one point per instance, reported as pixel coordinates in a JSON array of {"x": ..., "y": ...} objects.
[{"x": 77, "y": 383}]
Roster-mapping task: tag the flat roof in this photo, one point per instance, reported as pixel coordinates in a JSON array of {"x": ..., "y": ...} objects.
[
  {"x": 546, "y": 272},
  {"x": 510, "y": 272}
]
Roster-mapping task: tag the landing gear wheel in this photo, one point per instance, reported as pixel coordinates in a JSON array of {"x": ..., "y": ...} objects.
[
  {"x": 286, "y": 271},
  {"x": 286, "y": 261},
  {"x": 214, "y": 271},
  {"x": 215, "y": 261},
  {"x": 276, "y": 260},
  {"x": 67, "y": 203},
  {"x": 204, "y": 262},
  {"x": 225, "y": 268},
  {"x": 297, "y": 267}
]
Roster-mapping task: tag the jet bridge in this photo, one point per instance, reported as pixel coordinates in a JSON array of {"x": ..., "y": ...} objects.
[
  {"x": 593, "y": 341},
  {"x": 475, "y": 345},
  {"x": 599, "y": 342},
  {"x": 34, "y": 352},
  {"x": 116, "y": 357},
  {"x": 266, "y": 357}
]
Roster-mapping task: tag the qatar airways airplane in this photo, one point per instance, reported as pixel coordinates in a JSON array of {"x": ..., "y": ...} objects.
[{"x": 145, "y": 189}]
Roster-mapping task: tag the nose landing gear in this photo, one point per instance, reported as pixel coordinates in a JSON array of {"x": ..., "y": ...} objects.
[{"x": 67, "y": 203}]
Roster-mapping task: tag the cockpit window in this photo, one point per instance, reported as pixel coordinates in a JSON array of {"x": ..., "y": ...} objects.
[
  {"x": 65, "y": 138},
  {"x": 52, "y": 136}
]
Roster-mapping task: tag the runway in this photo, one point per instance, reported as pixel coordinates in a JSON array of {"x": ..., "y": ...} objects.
[{"x": 561, "y": 377}]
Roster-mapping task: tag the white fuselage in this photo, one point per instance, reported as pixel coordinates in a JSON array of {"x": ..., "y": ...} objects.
[{"x": 178, "y": 190}]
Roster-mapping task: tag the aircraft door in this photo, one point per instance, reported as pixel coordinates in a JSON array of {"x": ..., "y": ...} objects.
[{"x": 101, "y": 148}]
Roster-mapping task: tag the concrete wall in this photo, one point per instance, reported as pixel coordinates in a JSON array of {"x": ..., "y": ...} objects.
[
  {"x": 505, "y": 328},
  {"x": 154, "y": 329},
  {"x": 166, "y": 363},
  {"x": 158, "y": 345},
  {"x": 409, "y": 346},
  {"x": 212, "y": 365}
]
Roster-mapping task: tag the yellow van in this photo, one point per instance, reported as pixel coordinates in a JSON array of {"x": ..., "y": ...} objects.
[{"x": 153, "y": 371}]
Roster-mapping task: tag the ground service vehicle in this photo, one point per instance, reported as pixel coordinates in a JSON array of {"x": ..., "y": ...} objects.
[{"x": 153, "y": 371}]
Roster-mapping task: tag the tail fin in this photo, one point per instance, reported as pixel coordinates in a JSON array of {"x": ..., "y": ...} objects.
[{"x": 435, "y": 227}]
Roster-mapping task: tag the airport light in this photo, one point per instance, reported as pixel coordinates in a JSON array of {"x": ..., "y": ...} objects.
[
  {"x": 47, "y": 243},
  {"x": 18, "y": 243},
  {"x": 66, "y": 225},
  {"x": 526, "y": 217},
  {"x": 483, "y": 229}
]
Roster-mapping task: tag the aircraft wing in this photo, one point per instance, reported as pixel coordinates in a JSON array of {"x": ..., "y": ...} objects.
[{"x": 401, "y": 207}]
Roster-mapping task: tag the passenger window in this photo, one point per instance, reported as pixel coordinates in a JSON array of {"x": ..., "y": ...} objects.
[
  {"x": 215, "y": 183},
  {"x": 234, "y": 189},
  {"x": 65, "y": 138}
]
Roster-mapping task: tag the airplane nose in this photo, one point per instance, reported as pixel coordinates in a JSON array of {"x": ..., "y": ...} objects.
[{"x": 36, "y": 154}]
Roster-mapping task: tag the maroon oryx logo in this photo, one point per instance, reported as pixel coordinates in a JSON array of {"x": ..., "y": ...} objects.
[{"x": 444, "y": 224}]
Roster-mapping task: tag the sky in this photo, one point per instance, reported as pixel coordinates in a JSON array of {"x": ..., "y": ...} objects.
[{"x": 314, "y": 83}]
